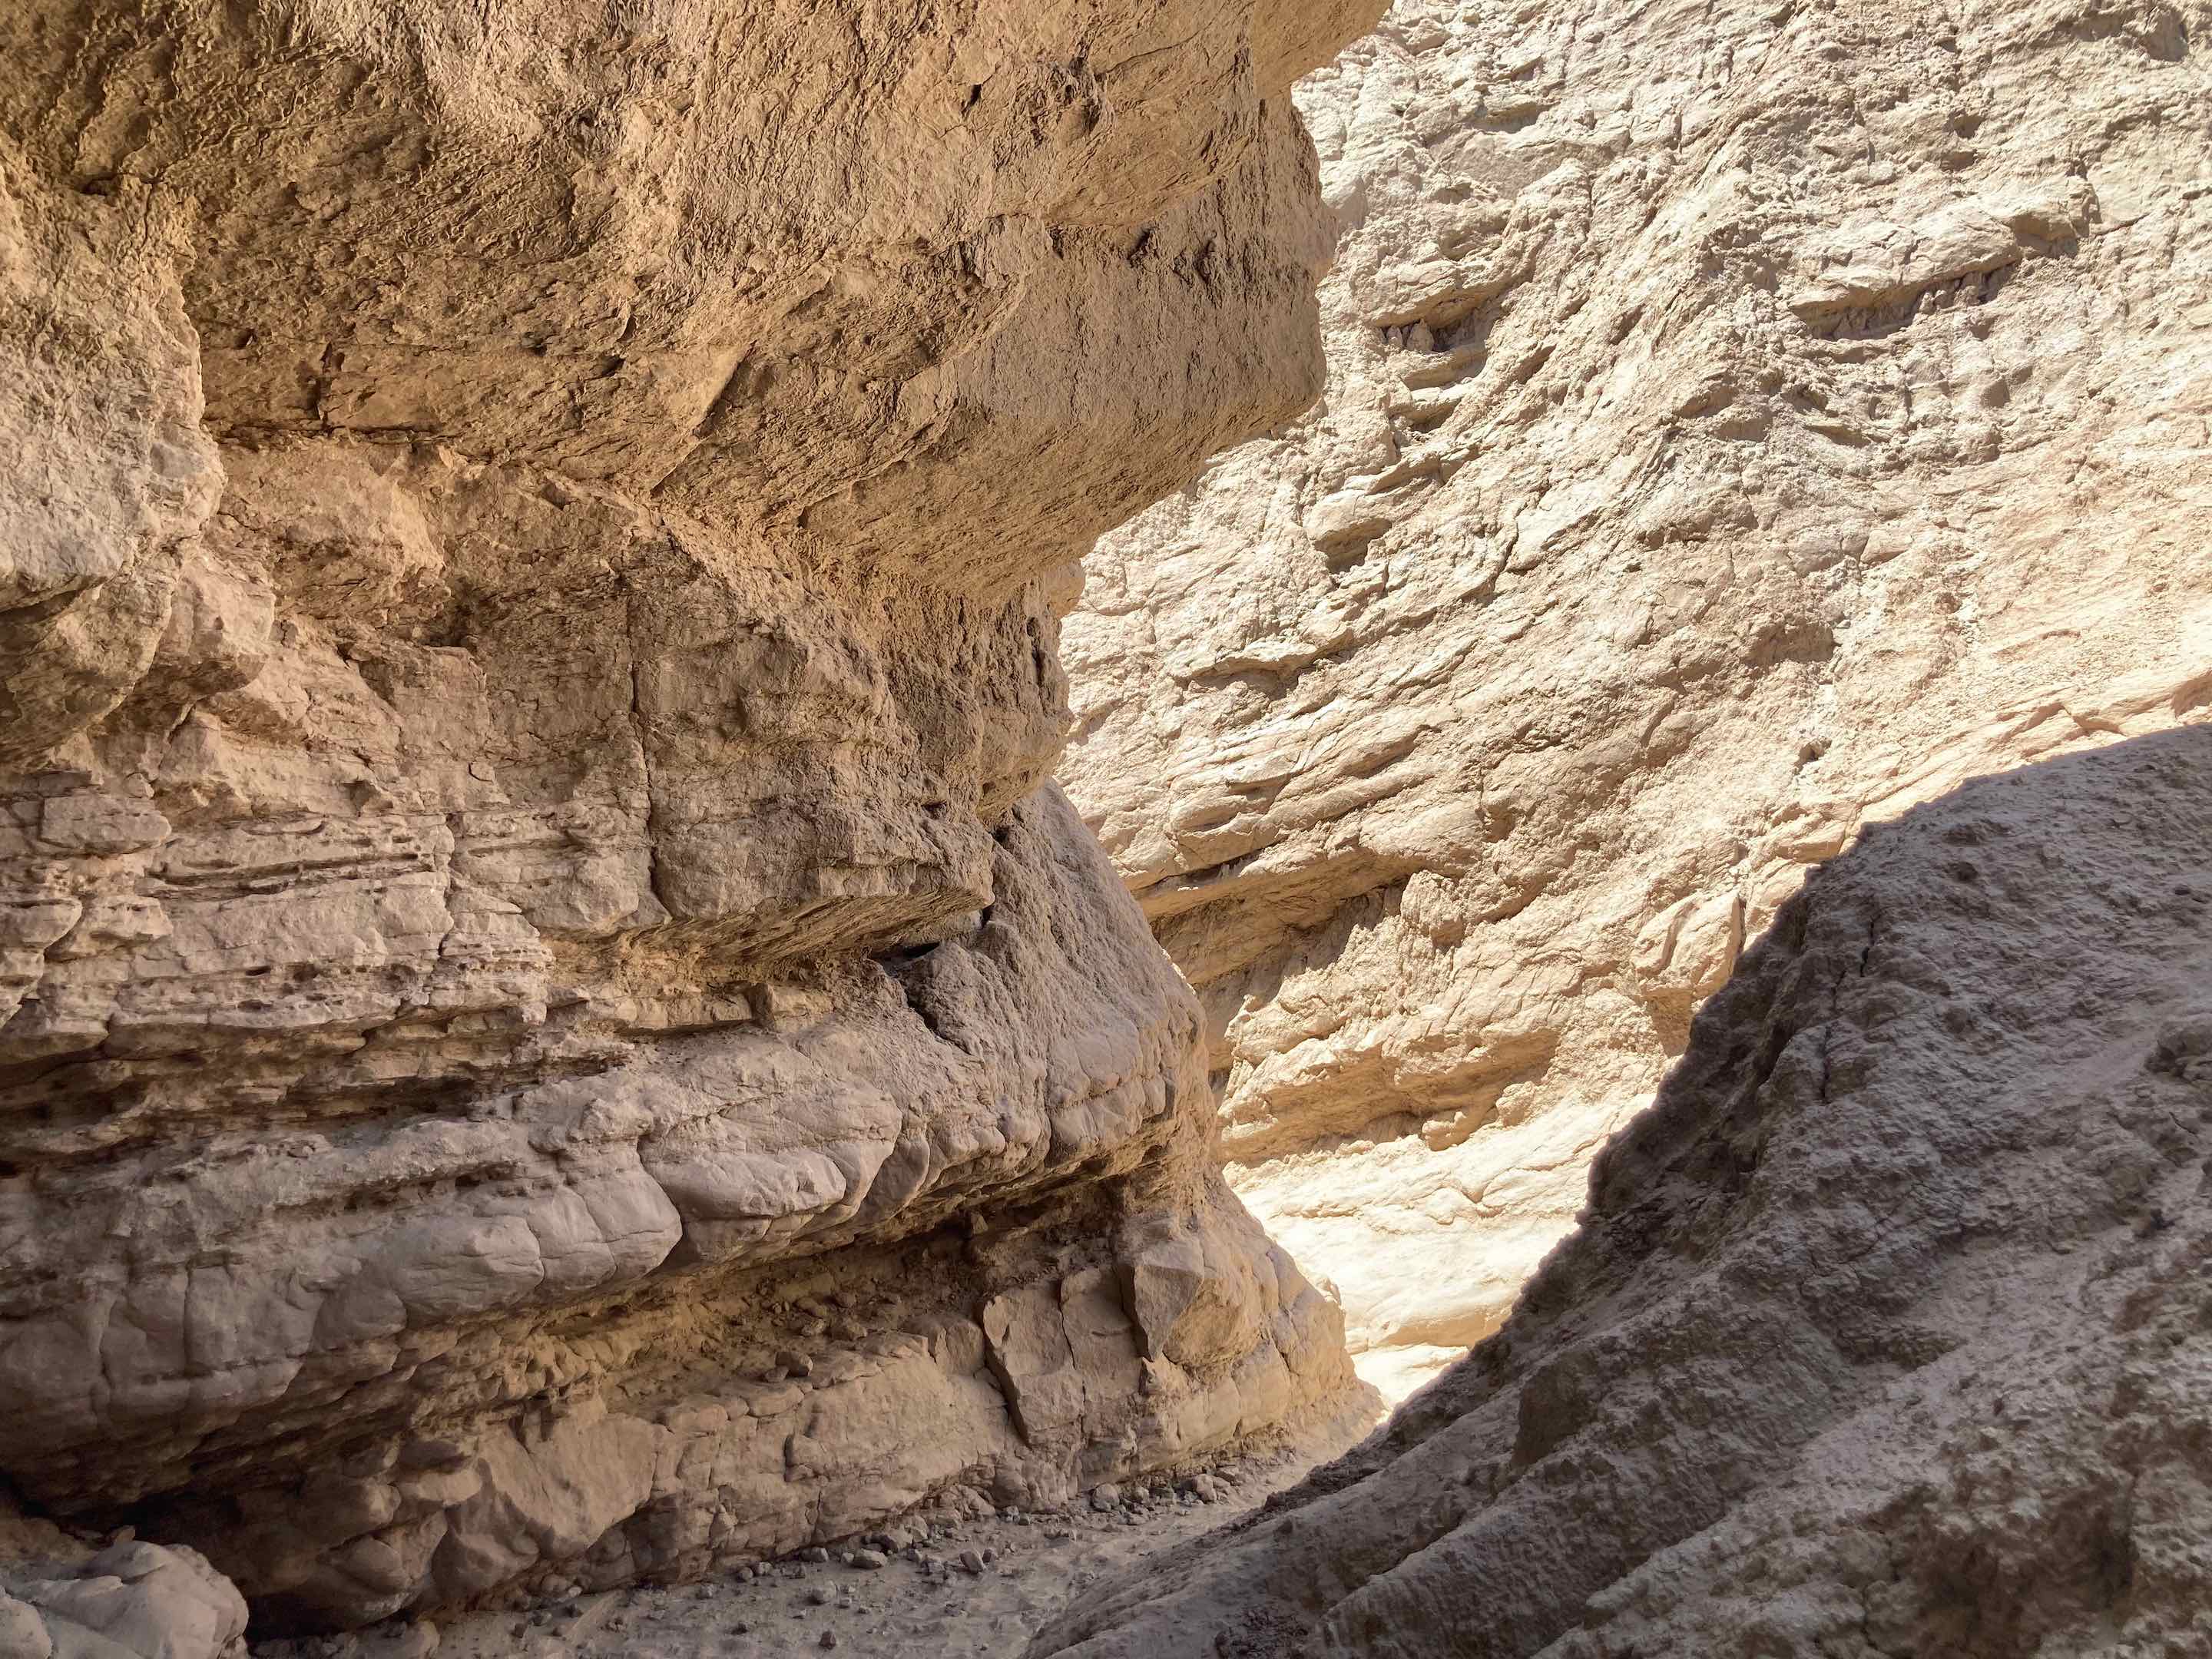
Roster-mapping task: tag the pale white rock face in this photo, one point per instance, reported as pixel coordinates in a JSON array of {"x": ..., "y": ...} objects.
[
  {"x": 1743, "y": 423},
  {"x": 1885, "y": 1331},
  {"x": 129, "y": 1601},
  {"x": 551, "y": 1012},
  {"x": 64, "y": 1598}
]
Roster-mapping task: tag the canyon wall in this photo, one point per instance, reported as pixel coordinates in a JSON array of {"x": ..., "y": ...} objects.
[
  {"x": 1743, "y": 422},
  {"x": 550, "y": 1011},
  {"x": 1885, "y": 1331}
]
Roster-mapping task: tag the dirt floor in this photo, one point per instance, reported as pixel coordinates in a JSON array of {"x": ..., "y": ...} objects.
[{"x": 980, "y": 1584}]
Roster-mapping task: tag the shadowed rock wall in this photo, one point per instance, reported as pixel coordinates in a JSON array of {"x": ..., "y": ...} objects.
[{"x": 1885, "y": 1329}]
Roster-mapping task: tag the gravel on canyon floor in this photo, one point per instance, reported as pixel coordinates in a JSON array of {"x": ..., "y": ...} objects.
[{"x": 975, "y": 1584}]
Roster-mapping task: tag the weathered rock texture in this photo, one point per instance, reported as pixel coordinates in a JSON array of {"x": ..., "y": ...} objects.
[
  {"x": 1885, "y": 1331},
  {"x": 1743, "y": 423},
  {"x": 59, "y": 1600},
  {"x": 549, "y": 1016}
]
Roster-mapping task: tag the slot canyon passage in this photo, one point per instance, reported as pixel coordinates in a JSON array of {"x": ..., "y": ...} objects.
[{"x": 572, "y": 1084}]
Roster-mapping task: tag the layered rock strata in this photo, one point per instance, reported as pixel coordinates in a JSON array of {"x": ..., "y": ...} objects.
[
  {"x": 550, "y": 1015},
  {"x": 1885, "y": 1329},
  {"x": 1742, "y": 423}
]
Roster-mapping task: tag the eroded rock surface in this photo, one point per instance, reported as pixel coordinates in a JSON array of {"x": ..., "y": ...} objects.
[
  {"x": 131, "y": 1601},
  {"x": 1743, "y": 423},
  {"x": 550, "y": 1016},
  {"x": 62, "y": 1598},
  {"x": 1885, "y": 1331}
]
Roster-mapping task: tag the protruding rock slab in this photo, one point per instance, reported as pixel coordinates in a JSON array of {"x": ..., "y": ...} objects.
[{"x": 544, "y": 990}]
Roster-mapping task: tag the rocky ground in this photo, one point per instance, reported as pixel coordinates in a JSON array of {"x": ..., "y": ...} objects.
[{"x": 950, "y": 1582}]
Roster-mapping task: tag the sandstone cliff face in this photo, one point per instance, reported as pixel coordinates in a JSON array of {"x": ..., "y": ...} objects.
[
  {"x": 1742, "y": 423},
  {"x": 1886, "y": 1330},
  {"x": 549, "y": 1012}
]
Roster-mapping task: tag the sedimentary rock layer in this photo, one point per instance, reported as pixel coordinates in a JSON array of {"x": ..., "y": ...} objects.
[
  {"x": 549, "y": 1014},
  {"x": 1742, "y": 423},
  {"x": 1886, "y": 1328}
]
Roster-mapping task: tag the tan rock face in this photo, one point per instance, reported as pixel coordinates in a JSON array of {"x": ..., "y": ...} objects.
[
  {"x": 549, "y": 1014},
  {"x": 1885, "y": 1330},
  {"x": 129, "y": 1601},
  {"x": 1741, "y": 424}
]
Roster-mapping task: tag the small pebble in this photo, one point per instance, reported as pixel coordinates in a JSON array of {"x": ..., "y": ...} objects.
[
  {"x": 869, "y": 1560},
  {"x": 971, "y": 1562},
  {"x": 817, "y": 1554},
  {"x": 828, "y": 1638}
]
